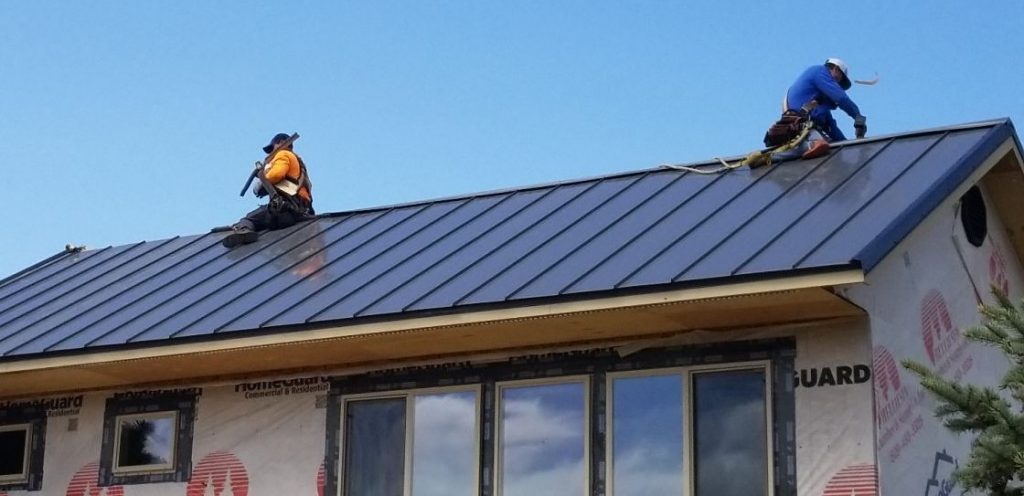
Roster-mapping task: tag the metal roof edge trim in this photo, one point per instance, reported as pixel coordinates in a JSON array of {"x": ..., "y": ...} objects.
[
  {"x": 842, "y": 276},
  {"x": 978, "y": 158}
]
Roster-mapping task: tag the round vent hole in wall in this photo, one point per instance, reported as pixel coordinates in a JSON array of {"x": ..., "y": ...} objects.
[{"x": 973, "y": 216}]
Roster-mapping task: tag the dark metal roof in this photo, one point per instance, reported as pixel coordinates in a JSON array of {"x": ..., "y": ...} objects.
[{"x": 643, "y": 230}]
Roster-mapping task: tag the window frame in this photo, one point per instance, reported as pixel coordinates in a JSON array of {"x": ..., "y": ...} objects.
[
  {"x": 409, "y": 395},
  {"x": 148, "y": 405},
  {"x": 26, "y": 456},
  {"x": 584, "y": 381},
  {"x": 152, "y": 468},
  {"x": 687, "y": 375},
  {"x": 16, "y": 417}
]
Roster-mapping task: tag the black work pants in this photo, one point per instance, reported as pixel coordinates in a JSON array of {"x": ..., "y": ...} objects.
[{"x": 268, "y": 217}]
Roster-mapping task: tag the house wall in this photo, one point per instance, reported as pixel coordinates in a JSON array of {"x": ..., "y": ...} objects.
[
  {"x": 919, "y": 299},
  {"x": 256, "y": 438},
  {"x": 268, "y": 437}
]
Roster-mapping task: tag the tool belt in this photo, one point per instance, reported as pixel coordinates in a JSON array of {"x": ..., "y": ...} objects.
[{"x": 786, "y": 128}]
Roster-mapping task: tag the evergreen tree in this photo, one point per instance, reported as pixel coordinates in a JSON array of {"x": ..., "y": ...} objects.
[{"x": 995, "y": 465}]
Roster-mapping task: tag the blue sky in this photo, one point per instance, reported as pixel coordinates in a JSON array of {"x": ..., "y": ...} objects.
[{"x": 131, "y": 121}]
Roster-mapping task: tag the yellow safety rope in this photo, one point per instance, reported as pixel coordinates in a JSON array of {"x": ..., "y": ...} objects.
[{"x": 756, "y": 158}]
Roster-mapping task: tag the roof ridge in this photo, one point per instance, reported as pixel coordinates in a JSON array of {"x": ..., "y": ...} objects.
[{"x": 714, "y": 161}]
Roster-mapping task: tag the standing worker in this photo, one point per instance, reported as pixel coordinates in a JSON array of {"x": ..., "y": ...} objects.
[
  {"x": 291, "y": 200},
  {"x": 821, "y": 89}
]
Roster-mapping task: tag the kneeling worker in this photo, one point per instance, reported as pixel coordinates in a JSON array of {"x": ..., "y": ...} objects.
[
  {"x": 291, "y": 199},
  {"x": 816, "y": 92}
]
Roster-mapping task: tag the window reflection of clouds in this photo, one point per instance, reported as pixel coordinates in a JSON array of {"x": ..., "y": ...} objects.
[
  {"x": 647, "y": 435},
  {"x": 444, "y": 445},
  {"x": 159, "y": 441},
  {"x": 542, "y": 440},
  {"x": 730, "y": 433}
]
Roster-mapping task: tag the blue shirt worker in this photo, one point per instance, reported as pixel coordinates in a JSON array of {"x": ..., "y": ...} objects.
[{"x": 826, "y": 85}]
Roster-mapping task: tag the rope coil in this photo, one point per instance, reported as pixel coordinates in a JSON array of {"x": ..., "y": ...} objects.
[{"x": 756, "y": 158}]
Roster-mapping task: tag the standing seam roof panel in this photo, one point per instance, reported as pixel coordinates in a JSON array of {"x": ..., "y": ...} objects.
[
  {"x": 70, "y": 293},
  {"x": 452, "y": 264},
  {"x": 728, "y": 213},
  {"x": 809, "y": 230},
  {"x": 179, "y": 294},
  {"x": 804, "y": 188},
  {"x": 608, "y": 240},
  {"x": 471, "y": 274},
  {"x": 325, "y": 248},
  {"x": 611, "y": 269},
  {"x": 554, "y": 244},
  {"x": 301, "y": 308},
  {"x": 416, "y": 257},
  {"x": 337, "y": 301},
  {"x": 66, "y": 270},
  {"x": 210, "y": 318},
  {"x": 93, "y": 305},
  {"x": 125, "y": 306}
]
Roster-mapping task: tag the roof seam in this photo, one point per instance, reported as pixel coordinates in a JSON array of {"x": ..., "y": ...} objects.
[
  {"x": 671, "y": 212},
  {"x": 815, "y": 205},
  {"x": 871, "y": 200},
  {"x": 427, "y": 267},
  {"x": 492, "y": 250},
  {"x": 198, "y": 283},
  {"x": 565, "y": 229},
  {"x": 525, "y": 229},
  {"x": 370, "y": 280},
  {"x": 602, "y": 231},
  {"x": 124, "y": 306},
  {"x": 750, "y": 219}
]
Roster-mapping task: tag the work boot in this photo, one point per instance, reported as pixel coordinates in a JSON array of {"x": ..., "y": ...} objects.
[
  {"x": 239, "y": 236},
  {"x": 817, "y": 149}
]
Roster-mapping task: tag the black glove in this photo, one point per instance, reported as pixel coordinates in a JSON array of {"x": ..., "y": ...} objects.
[{"x": 860, "y": 125}]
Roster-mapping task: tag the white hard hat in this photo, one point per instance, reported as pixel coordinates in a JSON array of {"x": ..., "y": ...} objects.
[
  {"x": 840, "y": 64},
  {"x": 845, "y": 69}
]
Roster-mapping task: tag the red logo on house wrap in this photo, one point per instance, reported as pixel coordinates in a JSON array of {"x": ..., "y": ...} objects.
[
  {"x": 319, "y": 481},
  {"x": 85, "y": 483},
  {"x": 219, "y": 474},
  {"x": 946, "y": 347},
  {"x": 895, "y": 405},
  {"x": 854, "y": 480},
  {"x": 997, "y": 272}
]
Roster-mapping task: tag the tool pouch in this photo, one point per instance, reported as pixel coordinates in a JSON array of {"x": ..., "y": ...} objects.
[
  {"x": 786, "y": 128},
  {"x": 283, "y": 204}
]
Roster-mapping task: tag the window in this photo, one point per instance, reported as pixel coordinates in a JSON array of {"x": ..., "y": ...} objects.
[
  {"x": 14, "y": 453},
  {"x": 421, "y": 443},
  {"x": 701, "y": 431},
  {"x": 22, "y": 440},
  {"x": 542, "y": 438},
  {"x": 147, "y": 438},
  {"x": 682, "y": 420},
  {"x": 145, "y": 442}
]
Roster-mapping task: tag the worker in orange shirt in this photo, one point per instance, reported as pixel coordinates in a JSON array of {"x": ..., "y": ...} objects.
[{"x": 290, "y": 202}]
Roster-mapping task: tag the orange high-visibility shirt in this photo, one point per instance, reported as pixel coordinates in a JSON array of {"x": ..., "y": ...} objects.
[{"x": 286, "y": 164}]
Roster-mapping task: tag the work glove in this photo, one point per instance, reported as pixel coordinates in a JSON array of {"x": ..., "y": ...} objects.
[
  {"x": 257, "y": 189},
  {"x": 860, "y": 125}
]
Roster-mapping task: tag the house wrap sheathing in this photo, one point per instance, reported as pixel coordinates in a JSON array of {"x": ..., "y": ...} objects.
[{"x": 652, "y": 332}]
